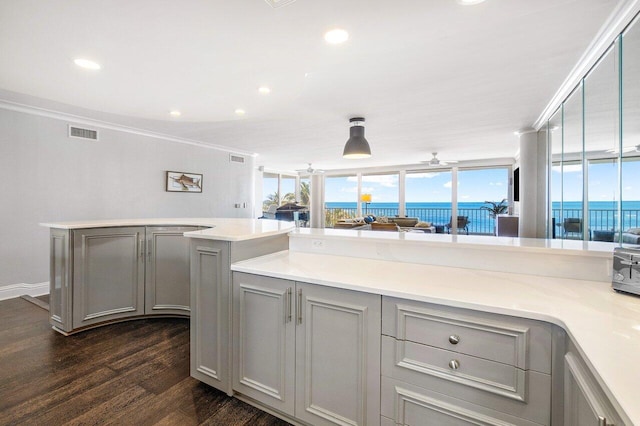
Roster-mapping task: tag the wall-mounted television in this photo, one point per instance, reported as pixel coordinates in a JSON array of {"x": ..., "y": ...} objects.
[{"x": 516, "y": 184}]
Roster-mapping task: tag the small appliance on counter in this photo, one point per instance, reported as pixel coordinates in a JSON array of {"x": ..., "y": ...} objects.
[{"x": 626, "y": 270}]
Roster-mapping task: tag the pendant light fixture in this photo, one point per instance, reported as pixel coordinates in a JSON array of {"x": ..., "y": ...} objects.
[{"x": 357, "y": 146}]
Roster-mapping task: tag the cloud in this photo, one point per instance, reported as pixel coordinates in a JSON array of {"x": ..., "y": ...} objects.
[
  {"x": 495, "y": 184},
  {"x": 465, "y": 197},
  {"x": 448, "y": 184}
]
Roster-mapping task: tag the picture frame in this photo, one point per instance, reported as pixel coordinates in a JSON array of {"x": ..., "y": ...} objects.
[{"x": 183, "y": 182}]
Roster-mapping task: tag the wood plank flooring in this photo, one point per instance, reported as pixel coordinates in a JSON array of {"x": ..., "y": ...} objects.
[{"x": 132, "y": 373}]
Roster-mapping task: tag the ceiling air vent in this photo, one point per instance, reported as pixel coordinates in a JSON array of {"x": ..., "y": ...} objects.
[
  {"x": 236, "y": 159},
  {"x": 278, "y": 3},
  {"x": 79, "y": 132}
]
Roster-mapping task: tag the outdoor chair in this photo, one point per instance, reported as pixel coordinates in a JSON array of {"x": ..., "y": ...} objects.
[
  {"x": 572, "y": 227},
  {"x": 463, "y": 224},
  {"x": 270, "y": 213}
]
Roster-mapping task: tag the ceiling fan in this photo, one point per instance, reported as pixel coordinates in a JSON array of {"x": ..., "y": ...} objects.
[
  {"x": 435, "y": 161},
  {"x": 310, "y": 170}
]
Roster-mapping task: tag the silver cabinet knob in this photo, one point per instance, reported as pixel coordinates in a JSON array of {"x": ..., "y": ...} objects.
[
  {"x": 454, "y": 364},
  {"x": 454, "y": 339}
]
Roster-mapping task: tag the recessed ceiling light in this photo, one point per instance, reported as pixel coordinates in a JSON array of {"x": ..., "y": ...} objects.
[
  {"x": 264, "y": 90},
  {"x": 469, "y": 2},
  {"x": 240, "y": 111},
  {"x": 336, "y": 36},
  {"x": 175, "y": 113},
  {"x": 85, "y": 63}
]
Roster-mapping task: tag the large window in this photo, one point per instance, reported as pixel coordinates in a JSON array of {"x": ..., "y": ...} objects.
[
  {"x": 341, "y": 198},
  {"x": 270, "y": 194},
  {"x": 595, "y": 144},
  {"x": 482, "y": 194},
  {"x": 428, "y": 196},
  {"x": 288, "y": 189},
  {"x": 384, "y": 192}
]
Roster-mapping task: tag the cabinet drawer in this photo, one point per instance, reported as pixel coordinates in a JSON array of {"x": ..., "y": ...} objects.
[
  {"x": 525, "y": 394},
  {"x": 412, "y": 405},
  {"x": 525, "y": 344},
  {"x": 490, "y": 376}
]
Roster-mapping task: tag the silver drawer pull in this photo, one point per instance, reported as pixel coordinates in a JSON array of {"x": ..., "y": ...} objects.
[
  {"x": 454, "y": 364},
  {"x": 454, "y": 339}
]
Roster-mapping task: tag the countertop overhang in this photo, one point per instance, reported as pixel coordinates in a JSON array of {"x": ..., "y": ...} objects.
[
  {"x": 224, "y": 229},
  {"x": 604, "y": 325}
]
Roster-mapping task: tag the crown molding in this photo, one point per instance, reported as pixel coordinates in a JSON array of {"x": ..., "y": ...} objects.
[
  {"x": 619, "y": 19},
  {"x": 78, "y": 119}
]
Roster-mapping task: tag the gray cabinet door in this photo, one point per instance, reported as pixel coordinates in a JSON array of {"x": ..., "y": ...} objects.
[
  {"x": 337, "y": 356},
  {"x": 210, "y": 313},
  {"x": 167, "y": 270},
  {"x": 108, "y": 274},
  {"x": 264, "y": 340},
  {"x": 584, "y": 402}
]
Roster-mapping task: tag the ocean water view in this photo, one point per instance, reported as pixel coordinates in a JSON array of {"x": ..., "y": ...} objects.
[{"x": 603, "y": 215}]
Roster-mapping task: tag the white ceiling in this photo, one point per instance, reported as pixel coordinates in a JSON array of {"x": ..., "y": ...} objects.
[{"x": 428, "y": 75}]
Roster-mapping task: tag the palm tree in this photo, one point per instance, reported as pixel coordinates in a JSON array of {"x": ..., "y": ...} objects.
[
  {"x": 289, "y": 198},
  {"x": 270, "y": 200},
  {"x": 305, "y": 193}
]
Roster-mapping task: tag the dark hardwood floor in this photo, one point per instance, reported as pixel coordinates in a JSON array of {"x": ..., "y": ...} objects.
[{"x": 133, "y": 373}]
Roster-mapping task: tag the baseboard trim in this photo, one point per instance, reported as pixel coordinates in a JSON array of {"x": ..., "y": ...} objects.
[{"x": 16, "y": 290}]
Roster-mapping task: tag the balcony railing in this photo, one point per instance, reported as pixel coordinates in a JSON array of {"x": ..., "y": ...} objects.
[
  {"x": 601, "y": 219},
  {"x": 480, "y": 223}
]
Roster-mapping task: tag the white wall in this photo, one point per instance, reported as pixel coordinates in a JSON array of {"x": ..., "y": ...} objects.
[{"x": 45, "y": 176}]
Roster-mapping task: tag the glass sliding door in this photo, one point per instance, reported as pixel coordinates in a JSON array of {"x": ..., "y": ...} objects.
[
  {"x": 630, "y": 176},
  {"x": 572, "y": 170},
  {"x": 270, "y": 195},
  {"x": 428, "y": 196},
  {"x": 602, "y": 147},
  {"x": 554, "y": 136},
  {"x": 341, "y": 198},
  {"x": 384, "y": 194},
  {"x": 482, "y": 194},
  {"x": 288, "y": 189}
]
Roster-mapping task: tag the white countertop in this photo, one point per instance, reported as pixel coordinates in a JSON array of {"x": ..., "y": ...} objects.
[
  {"x": 484, "y": 242},
  {"x": 225, "y": 229},
  {"x": 605, "y": 325}
]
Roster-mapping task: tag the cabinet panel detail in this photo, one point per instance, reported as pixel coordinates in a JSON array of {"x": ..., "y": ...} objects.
[
  {"x": 408, "y": 404},
  {"x": 584, "y": 404},
  {"x": 60, "y": 280},
  {"x": 264, "y": 340},
  {"x": 167, "y": 271},
  {"x": 337, "y": 357},
  {"x": 108, "y": 273},
  {"x": 206, "y": 299}
]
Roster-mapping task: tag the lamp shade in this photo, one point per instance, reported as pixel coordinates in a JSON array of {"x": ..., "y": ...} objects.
[
  {"x": 365, "y": 198},
  {"x": 357, "y": 146}
]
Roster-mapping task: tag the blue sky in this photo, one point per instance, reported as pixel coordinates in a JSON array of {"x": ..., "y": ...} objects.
[
  {"x": 603, "y": 182},
  {"x": 473, "y": 186}
]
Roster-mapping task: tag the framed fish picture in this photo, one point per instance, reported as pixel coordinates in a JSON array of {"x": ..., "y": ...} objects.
[{"x": 184, "y": 182}]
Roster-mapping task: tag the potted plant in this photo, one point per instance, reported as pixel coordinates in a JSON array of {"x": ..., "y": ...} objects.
[{"x": 494, "y": 209}]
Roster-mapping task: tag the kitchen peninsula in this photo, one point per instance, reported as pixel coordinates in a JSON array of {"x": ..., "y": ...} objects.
[{"x": 361, "y": 327}]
